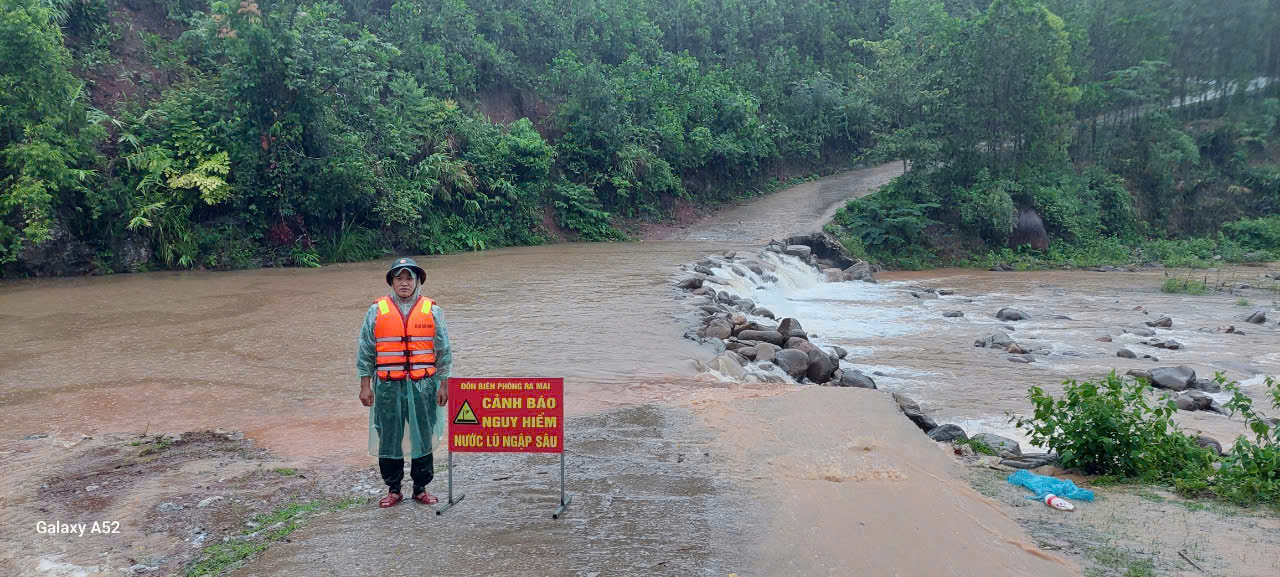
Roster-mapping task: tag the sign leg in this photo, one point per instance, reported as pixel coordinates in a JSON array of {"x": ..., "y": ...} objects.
[
  {"x": 564, "y": 499},
  {"x": 452, "y": 501}
]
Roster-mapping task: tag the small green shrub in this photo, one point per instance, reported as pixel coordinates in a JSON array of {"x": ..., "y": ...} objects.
[
  {"x": 1250, "y": 473},
  {"x": 1108, "y": 426},
  {"x": 977, "y": 445},
  {"x": 1184, "y": 286}
]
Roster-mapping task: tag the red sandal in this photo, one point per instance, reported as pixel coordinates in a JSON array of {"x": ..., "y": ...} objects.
[
  {"x": 426, "y": 498},
  {"x": 391, "y": 500}
]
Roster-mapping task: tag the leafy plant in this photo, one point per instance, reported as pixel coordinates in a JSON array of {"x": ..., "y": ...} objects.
[
  {"x": 1189, "y": 286},
  {"x": 1250, "y": 473},
  {"x": 1109, "y": 426}
]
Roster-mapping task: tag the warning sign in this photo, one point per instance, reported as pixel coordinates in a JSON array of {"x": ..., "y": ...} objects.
[
  {"x": 506, "y": 415},
  {"x": 466, "y": 416}
]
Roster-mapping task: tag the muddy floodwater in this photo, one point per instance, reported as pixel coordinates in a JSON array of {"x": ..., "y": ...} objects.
[{"x": 676, "y": 471}]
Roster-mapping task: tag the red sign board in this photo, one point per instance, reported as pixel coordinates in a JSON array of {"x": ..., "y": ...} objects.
[{"x": 506, "y": 415}]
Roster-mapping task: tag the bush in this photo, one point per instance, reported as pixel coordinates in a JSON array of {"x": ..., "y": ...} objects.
[
  {"x": 1189, "y": 286},
  {"x": 1250, "y": 474},
  {"x": 891, "y": 224},
  {"x": 1108, "y": 426},
  {"x": 1255, "y": 234}
]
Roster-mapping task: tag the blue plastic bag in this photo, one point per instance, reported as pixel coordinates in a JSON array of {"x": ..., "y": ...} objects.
[{"x": 1044, "y": 485}]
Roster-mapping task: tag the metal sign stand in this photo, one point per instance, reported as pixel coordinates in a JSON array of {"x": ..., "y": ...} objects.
[
  {"x": 564, "y": 499},
  {"x": 452, "y": 501}
]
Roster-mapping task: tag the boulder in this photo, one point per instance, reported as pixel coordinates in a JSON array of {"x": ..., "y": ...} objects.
[
  {"x": 737, "y": 358},
  {"x": 855, "y": 378},
  {"x": 820, "y": 366},
  {"x": 1194, "y": 400},
  {"x": 1163, "y": 322},
  {"x": 799, "y": 251},
  {"x": 947, "y": 433},
  {"x": 729, "y": 254},
  {"x": 994, "y": 340},
  {"x": 1005, "y": 447},
  {"x": 921, "y": 420},
  {"x": 1166, "y": 344},
  {"x": 766, "y": 352},
  {"x": 1021, "y": 359},
  {"x": 1030, "y": 460},
  {"x": 840, "y": 352},
  {"x": 793, "y": 362},
  {"x": 790, "y": 327},
  {"x": 1256, "y": 317},
  {"x": 800, "y": 344},
  {"x": 860, "y": 270},
  {"x": 953, "y": 314},
  {"x": 1008, "y": 314},
  {"x": 725, "y": 297},
  {"x": 1103, "y": 339},
  {"x": 1126, "y": 354},
  {"x": 1208, "y": 385},
  {"x": 719, "y": 329},
  {"x": 762, "y": 312},
  {"x": 1209, "y": 443},
  {"x": 748, "y": 353},
  {"x": 61, "y": 254},
  {"x": 738, "y": 319},
  {"x": 690, "y": 283},
  {"x": 905, "y": 402},
  {"x": 745, "y": 305},
  {"x": 1029, "y": 229},
  {"x": 1014, "y": 349},
  {"x": 728, "y": 366},
  {"x": 703, "y": 269},
  {"x": 771, "y": 337},
  {"x": 824, "y": 246},
  {"x": 704, "y": 291},
  {"x": 832, "y": 275},
  {"x": 1173, "y": 378},
  {"x": 1139, "y": 374}
]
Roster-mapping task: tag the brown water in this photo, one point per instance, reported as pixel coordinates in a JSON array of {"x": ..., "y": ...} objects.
[{"x": 271, "y": 352}]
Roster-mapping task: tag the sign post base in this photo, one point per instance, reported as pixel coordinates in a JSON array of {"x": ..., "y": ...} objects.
[
  {"x": 452, "y": 501},
  {"x": 564, "y": 499}
]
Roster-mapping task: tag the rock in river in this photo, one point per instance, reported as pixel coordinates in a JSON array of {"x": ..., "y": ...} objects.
[
  {"x": 994, "y": 340},
  {"x": 947, "y": 433},
  {"x": 855, "y": 378},
  {"x": 771, "y": 337},
  {"x": 1173, "y": 378},
  {"x": 1005, "y": 447},
  {"x": 1008, "y": 314},
  {"x": 820, "y": 366},
  {"x": 792, "y": 361}
]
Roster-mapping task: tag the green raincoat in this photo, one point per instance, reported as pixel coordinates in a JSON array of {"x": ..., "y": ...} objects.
[{"x": 404, "y": 421}]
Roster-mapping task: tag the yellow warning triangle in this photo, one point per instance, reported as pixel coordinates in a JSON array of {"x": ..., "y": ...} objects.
[{"x": 466, "y": 416}]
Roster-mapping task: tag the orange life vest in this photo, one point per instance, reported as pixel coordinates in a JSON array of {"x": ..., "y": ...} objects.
[{"x": 406, "y": 346}]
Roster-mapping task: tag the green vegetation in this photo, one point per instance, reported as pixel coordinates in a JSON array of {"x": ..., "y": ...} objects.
[
  {"x": 285, "y": 471},
  {"x": 1184, "y": 286},
  {"x": 977, "y": 445},
  {"x": 222, "y": 557},
  {"x": 1242, "y": 302},
  {"x": 1112, "y": 427},
  {"x": 194, "y": 134},
  {"x": 1105, "y": 119}
]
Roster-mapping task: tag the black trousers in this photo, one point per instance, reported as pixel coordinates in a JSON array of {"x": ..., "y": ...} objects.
[{"x": 421, "y": 470}]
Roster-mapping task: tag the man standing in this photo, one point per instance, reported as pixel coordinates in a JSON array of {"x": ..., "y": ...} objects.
[{"x": 403, "y": 362}]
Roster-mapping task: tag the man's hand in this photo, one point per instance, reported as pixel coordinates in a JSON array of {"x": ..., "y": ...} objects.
[
  {"x": 442, "y": 394},
  {"x": 366, "y": 392}
]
